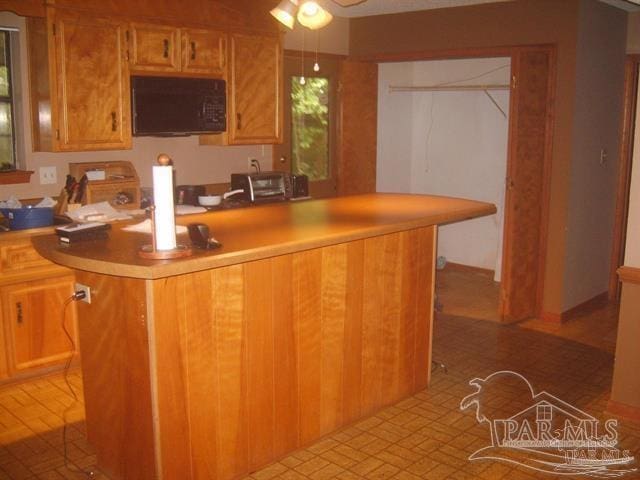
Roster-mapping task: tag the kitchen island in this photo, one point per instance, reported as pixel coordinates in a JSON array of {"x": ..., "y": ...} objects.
[{"x": 310, "y": 316}]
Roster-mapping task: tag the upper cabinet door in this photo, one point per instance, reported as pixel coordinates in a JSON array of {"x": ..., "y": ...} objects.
[
  {"x": 255, "y": 103},
  {"x": 154, "y": 48},
  {"x": 92, "y": 77},
  {"x": 204, "y": 51}
]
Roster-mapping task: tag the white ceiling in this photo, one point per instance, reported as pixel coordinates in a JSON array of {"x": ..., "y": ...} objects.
[
  {"x": 627, "y": 5},
  {"x": 381, "y": 7}
]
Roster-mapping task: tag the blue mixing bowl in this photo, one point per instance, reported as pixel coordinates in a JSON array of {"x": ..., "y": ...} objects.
[{"x": 28, "y": 217}]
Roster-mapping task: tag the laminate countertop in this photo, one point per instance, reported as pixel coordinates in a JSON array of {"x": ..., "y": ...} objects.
[{"x": 264, "y": 231}]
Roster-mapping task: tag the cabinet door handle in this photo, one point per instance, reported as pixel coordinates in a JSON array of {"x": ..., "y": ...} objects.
[
  {"x": 193, "y": 50},
  {"x": 238, "y": 121},
  {"x": 19, "y": 312},
  {"x": 114, "y": 122},
  {"x": 165, "y": 51}
]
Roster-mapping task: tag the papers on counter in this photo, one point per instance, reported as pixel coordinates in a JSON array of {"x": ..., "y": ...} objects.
[
  {"x": 189, "y": 209},
  {"x": 145, "y": 227},
  {"x": 97, "y": 212}
]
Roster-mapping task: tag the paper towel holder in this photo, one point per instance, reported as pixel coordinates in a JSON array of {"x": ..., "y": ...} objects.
[{"x": 151, "y": 251}]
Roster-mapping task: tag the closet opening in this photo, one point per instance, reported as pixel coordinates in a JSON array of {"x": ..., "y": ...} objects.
[{"x": 443, "y": 128}]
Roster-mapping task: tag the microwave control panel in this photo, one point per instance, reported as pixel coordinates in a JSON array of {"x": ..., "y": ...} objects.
[{"x": 215, "y": 112}]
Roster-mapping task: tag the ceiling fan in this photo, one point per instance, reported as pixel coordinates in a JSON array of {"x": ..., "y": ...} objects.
[{"x": 309, "y": 13}]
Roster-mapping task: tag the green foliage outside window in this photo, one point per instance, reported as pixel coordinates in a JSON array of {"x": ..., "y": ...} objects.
[
  {"x": 7, "y": 140},
  {"x": 310, "y": 127}
]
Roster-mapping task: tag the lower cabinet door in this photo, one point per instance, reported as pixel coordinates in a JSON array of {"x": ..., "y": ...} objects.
[{"x": 33, "y": 322}]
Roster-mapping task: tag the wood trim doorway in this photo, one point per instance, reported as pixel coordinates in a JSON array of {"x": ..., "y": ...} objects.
[
  {"x": 528, "y": 168},
  {"x": 630, "y": 94}
]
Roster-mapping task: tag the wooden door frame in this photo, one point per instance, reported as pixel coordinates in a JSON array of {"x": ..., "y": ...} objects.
[
  {"x": 276, "y": 163},
  {"x": 545, "y": 192},
  {"x": 632, "y": 64},
  {"x": 511, "y": 52}
]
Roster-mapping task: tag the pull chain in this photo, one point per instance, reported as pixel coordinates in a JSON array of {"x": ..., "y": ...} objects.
[
  {"x": 316, "y": 66},
  {"x": 302, "y": 79}
]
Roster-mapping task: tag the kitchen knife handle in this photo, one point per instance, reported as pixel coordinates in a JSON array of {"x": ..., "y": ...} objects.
[{"x": 165, "y": 52}]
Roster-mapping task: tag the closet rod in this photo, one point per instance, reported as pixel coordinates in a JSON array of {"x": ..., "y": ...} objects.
[{"x": 447, "y": 88}]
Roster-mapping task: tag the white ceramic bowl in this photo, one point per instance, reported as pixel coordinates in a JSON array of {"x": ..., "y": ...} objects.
[{"x": 209, "y": 200}]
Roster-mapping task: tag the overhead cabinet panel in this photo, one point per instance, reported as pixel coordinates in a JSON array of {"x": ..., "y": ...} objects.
[
  {"x": 256, "y": 90},
  {"x": 204, "y": 51},
  {"x": 161, "y": 48},
  {"x": 81, "y": 66},
  {"x": 154, "y": 48},
  {"x": 92, "y": 84}
]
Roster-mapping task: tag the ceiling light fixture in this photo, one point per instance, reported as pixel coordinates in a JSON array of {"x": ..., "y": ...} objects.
[
  {"x": 285, "y": 12},
  {"x": 313, "y": 16},
  {"x": 309, "y": 14}
]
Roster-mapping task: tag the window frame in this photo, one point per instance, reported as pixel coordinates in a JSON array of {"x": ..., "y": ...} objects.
[
  {"x": 281, "y": 154},
  {"x": 10, "y": 98},
  {"x": 330, "y": 127}
]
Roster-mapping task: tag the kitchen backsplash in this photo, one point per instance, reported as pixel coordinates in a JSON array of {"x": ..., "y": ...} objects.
[{"x": 194, "y": 164}]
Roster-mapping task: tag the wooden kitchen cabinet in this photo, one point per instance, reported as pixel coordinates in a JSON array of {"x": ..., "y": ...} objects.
[
  {"x": 255, "y": 90},
  {"x": 32, "y": 313},
  {"x": 92, "y": 84},
  {"x": 84, "y": 105},
  {"x": 154, "y": 48},
  {"x": 32, "y": 296},
  {"x": 81, "y": 63},
  {"x": 161, "y": 48},
  {"x": 204, "y": 51}
]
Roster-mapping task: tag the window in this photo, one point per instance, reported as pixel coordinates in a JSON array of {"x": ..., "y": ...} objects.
[
  {"x": 7, "y": 116},
  {"x": 309, "y": 136},
  {"x": 310, "y": 127}
]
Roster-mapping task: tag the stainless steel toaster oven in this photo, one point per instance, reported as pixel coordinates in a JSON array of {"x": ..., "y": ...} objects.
[{"x": 261, "y": 187}]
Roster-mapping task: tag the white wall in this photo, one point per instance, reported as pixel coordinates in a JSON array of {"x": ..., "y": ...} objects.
[
  {"x": 395, "y": 129},
  {"x": 593, "y": 183},
  {"x": 632, "y": 247},
  {"x": 334, "y": 38},
  {"x": 448, "y": 143}
]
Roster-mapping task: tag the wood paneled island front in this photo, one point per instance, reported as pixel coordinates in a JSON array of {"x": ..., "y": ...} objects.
[{"x": 312, "y": 315}]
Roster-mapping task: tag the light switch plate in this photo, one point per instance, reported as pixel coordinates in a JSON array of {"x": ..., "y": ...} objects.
[{"x": 48, "y": 175}]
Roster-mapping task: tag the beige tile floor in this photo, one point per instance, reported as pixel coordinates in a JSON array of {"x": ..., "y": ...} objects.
[
  {"x": 470, "y": 293},
  {"x": 423, "y": 437}
]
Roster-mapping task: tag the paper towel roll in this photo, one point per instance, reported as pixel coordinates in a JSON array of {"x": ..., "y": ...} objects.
[{"x": 164, "y": 214}]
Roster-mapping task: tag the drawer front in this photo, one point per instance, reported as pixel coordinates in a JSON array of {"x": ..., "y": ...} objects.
[{"x": 20, "y": 257}]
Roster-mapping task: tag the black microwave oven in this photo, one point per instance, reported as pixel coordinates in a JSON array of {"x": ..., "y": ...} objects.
[{"x": 169, "y": 106}]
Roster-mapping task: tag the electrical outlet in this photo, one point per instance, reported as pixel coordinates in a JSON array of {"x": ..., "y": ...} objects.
[
  {"x": 48, "y": 175},
  {"x": 253, "y": 165},
  {"x": 83, "y": 288}
]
